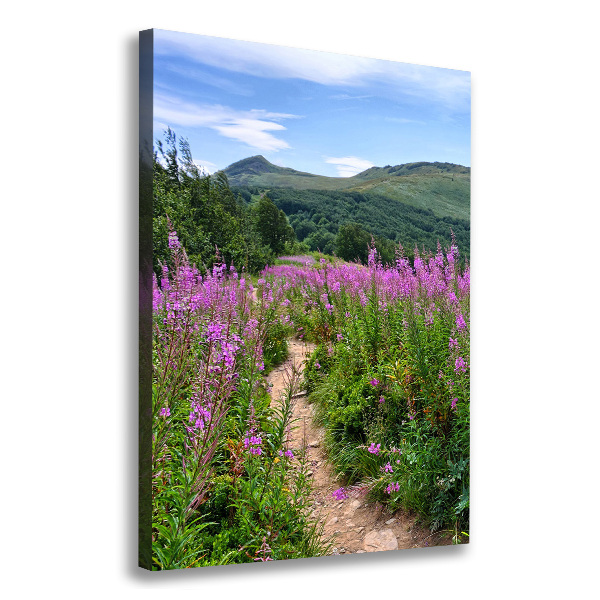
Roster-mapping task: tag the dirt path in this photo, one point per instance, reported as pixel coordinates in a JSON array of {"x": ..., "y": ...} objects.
[{"x": 353, "y": 525}]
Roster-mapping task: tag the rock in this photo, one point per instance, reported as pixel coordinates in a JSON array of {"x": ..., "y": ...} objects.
[
  {"x": 350, "y": 524},
  {"x": 390, "y": 521},
  {"x": 333, "y": 521},
  {"x": 355, "y": 504},
  {"x": 342, "y": 550},
  {"x": 309, "y": 474},
  {"x": 314, "y": 444},
  {"x": 376, "y": 541},
  {"x": 359, "y": 529}
]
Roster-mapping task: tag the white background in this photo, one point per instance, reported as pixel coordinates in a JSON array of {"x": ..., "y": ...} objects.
[{"x": 69, "y": 250}]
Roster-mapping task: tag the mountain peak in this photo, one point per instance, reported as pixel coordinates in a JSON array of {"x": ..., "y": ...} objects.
[{"x": 253, "y": 165}]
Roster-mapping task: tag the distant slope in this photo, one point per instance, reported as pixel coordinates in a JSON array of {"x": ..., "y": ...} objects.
[
  {"x": 444, "y": 195},
  {"x": 443, "y": 188},
  {"x": 418, "y": 168}
]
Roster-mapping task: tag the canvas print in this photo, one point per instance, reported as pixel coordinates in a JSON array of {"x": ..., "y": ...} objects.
[{"x": 304, "y": 303}]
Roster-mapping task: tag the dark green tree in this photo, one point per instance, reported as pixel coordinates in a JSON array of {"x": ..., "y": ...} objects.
[
  {"x": 352, "y": 242},
  {"x": 272, "y": 225}
]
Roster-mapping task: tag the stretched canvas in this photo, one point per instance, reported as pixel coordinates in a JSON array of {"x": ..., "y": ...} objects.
[{"x": 304, "y": 303}]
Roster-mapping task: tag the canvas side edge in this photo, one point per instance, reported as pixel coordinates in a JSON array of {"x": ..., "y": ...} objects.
[{"x": 146, "y": 83}]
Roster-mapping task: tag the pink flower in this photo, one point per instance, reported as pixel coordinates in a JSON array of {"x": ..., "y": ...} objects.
[
  {"x": 460, "y": 365},
  {"x": 373, "y": 449},
  {"x": 340, "y": 494}
]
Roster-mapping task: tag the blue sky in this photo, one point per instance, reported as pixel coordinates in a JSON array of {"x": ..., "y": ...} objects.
[{"x": 329, "y": 114}]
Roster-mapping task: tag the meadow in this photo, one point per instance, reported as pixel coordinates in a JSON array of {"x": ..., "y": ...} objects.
[{"x": 389, "y": 380}]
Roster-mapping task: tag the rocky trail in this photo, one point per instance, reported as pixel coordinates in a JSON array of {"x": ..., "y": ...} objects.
[{"x": 353, "y": 525}]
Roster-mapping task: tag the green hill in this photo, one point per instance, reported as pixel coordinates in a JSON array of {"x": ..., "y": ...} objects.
[
  {"x": 443, "y": 188},
  {"x": 257, "y": 171}
]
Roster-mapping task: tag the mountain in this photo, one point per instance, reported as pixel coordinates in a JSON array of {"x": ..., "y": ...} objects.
[
  {"x": 443, "y": 188},
  {"x": 257, "y": 171}
]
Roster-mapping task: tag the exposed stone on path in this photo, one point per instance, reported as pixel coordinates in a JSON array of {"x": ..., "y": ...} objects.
[{"x": 384, "y": 539}]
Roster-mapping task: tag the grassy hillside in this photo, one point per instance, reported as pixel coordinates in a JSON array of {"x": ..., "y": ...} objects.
[
  {"x": 443, "y": 188},
  {"x": 445, "y": 195}
]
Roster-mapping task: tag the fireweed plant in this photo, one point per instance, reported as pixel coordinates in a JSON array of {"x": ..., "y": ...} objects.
[
  {"x": 390, "y": 376},
  {"x": 226, "y": 485}
]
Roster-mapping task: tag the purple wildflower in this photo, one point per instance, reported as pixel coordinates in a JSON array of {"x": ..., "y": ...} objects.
[
  {"x": 373, "y": 449},
  {"x": 340, "y": 494},
  {"x": 393, "y": 487},
  {"x": 165, "y": 412},
  {"x": 374, "y": 382},
  {"x": 460, "y": 365}
]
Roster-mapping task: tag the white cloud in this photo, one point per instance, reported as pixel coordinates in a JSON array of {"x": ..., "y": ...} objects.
[
  {"x": 348, "y": 166},
  {"x": 251, "y": 127},
  {"x": 445, "y": 86},
  {"x": 206, "y": 166}
]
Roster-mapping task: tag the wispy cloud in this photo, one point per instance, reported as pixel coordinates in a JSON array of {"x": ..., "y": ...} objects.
[
  {"x": 349, "y": 97},
  {"x": 201, "y": 75},
  {"x": 446, "y": 87},
  {"x": 348, "y": 166},
  {"x": 251, "y": 127}
]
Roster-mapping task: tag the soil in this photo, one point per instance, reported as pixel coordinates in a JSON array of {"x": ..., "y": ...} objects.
[{"x": 353, "y": 525}]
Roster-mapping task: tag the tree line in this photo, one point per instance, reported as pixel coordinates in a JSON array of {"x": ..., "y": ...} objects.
[
  {"x": 212, "y": 222},
  {"x": 249, "y": 227}
]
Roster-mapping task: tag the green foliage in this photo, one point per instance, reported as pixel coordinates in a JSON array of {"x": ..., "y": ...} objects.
[
  {"x": 213, "y": 223},
  {"x": 352, "y": 242},
  {"x": 318, "y": 215},
  {"x": 272, "y": 226}
]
